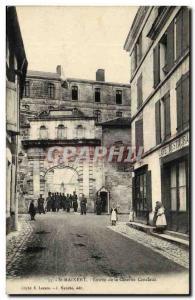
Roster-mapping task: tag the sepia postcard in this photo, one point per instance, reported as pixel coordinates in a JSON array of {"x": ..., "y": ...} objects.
[{"x": 98, "y": 150}]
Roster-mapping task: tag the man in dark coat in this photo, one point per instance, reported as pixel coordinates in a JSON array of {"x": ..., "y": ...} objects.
[
  {"x": 83, "y": 204},
  {"x": 98, "y": 205},
  {"x": 57, "y": 202},
  {"x": 53, "y": 205},
  {"x": 68, "y": 203},
  {"x": 32, "y": 210},
  {"x": 74, "y": 201},
  {"x": 63, "y": 202},
  {"x": 41, "y": 205},
  {"x": 49, "y": 202}
]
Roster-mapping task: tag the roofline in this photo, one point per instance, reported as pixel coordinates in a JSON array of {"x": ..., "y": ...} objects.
[{"x": 97, "y": 82}]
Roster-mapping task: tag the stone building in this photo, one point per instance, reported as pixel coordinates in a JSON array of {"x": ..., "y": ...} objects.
[
  {"x": 158, "y": 44},
  {"x": 59, "y": 113},
  {"x": 16, "y": 66}
]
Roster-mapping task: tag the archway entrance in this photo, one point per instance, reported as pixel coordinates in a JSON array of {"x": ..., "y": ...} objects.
[{"x": 62, "y": 180}]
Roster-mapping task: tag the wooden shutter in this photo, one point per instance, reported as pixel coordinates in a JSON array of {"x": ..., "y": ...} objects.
[
  {"x": 156, "y": 66},
  {"x": 134, "y": 194},
  {"x": 158, "y": 122},
  {"x": 179, "y": 35},
  {"x": 139, "y": 91},
  {"x": 179, "y": 105},
  {"x": 170, "y": 47},
  {"x": 139, "y": 133},
  {"x": 186, "y": 29},
  {"x": 167, "y": 115},
  {"x": 149, "y": 190},
  {"x": 185, "y": 99}
]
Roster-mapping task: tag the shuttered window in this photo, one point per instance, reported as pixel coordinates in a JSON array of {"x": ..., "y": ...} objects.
[
  {"x": 139, "y": 134},
  {"x": 156, "y": 62},
  {"x": 182, "y": 32},
  {"x": 158, "y": 122},
  {"x": 167, "y": 117},
  {"x": 182, "y": 90},
  {"x": 170, "y": 47},
  {"x": 139, "y": 91}
]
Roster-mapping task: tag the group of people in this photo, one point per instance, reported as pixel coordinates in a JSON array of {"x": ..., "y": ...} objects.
[{"x": 56, "y": 201}]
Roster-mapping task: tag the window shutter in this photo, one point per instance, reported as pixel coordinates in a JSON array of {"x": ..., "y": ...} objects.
[
  {"x": 170, "y": 47},
  {"x": 186, "y": 29},
  {"x": 139, "y": 91},
  {"x": 179, "y": 105},
  {"x": 156, "y": 66},
  {"x": 179, "y": 35},
  {"x": 139, "y": 133},
  {"x": 149, "y": 190},
  {"x": 167, "y": 116},
  {"x": 158, "y": 122},
  {"x": 185, "y": 100}
]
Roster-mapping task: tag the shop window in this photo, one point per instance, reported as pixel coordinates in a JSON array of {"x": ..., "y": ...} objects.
[
  {"x": 173, "y": 189},
  {"x": 139, "y": 91},
  {"x": 43, "y": 133},
  {"x": 97, "y": 95},
  {"x": 61, "y": 132},
  {"x": 51, "y": 90},
  {"x": 98, "y": 115},
  {"x": 182, "y": 91},
  {"x": 119, "y": 114},
  {"x": 27, "y": 89},
  {"x": 74, "y": 93},
  {"x": 118, "y": 97}
]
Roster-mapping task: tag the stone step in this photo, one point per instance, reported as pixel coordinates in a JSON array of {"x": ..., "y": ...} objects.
[
  {"x": 181, "y": 242},
  {"x": 142, "y": 227},
  {"x": 179, "y": 235}
]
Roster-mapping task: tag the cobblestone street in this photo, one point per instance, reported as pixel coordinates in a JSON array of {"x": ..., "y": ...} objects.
[{"x": 62, "y": 244}]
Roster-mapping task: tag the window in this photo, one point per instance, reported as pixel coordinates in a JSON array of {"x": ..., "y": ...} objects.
[
  {"x": 80, "y": 132},
  {"x": 139, "y": 142},
  {"x": 139, "y": 91},
  {"x": 51, "y": 90},
  {"x": 118, "y": 97},
  {"x": 178, "y": 187},
  {"x": 43, "y": 132},
  {"x": 182, "y": 91},
  {"x": 74, "y": 93},
  {"x": 27, "y": 89},
  {"x": 136, "y": 54},
  {"x": 156, "y": 65},
  {"x": 119, "y": 114},
  {"x": 97, "y": 95},
  {"x": 163, "y": 119},
  {"x": 97, "y": 115},
  {"x": 61, "y": 132}
]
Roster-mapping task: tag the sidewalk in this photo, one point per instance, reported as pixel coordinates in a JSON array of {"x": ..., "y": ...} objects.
[
  {"x": 166, "y": 248},
  {"x": 16, "y": 243}
]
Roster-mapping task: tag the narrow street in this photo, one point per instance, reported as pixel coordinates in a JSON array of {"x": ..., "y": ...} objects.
[{"x": 61, "y": 244}]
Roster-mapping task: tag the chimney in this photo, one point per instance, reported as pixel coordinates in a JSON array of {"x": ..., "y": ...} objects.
[
  {"x": 100, "y": 75},
  {"x": 59, "y": 70}
]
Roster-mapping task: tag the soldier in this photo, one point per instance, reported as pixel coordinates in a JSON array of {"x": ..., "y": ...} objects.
[
  {"x": 83, "y": 204},
  {"x": 32, "y": 210},
  {"x": 41, "y": 205},
  {"x": 68, "y": 203},
  {"x": 75, "y": 202}
]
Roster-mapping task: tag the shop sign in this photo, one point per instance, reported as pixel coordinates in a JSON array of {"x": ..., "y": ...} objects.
[{"x": 176, "y": 145}]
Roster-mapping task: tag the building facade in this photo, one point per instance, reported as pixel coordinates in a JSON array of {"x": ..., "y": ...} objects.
[
  {"x": 57, "y": 114},
  {"x": 16, "y": 67},
  {"x": 158, "y": 44}
]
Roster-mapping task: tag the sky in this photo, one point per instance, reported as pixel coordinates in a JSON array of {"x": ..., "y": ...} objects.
[{"x": 80, "y": 39}]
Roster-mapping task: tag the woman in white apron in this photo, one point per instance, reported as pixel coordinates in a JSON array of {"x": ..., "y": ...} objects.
[
  {"x": 113, "y": 217},
  {"x": 161, "y": 222}
]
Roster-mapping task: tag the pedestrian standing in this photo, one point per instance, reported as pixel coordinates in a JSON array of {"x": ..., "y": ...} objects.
[
  {"x": 32, "y": 210},
  {"x": 113, "y": 216},
  {"x": 98, "y": 205},
  {"x": 68, "y": 203},
  {"x": 74, "y": 201},
  {"x": 49, "y": 201},
  {"x": 161, "y": 222},
  {"x": 41, "y": 205},
  {"x": 83, "y": 204}
]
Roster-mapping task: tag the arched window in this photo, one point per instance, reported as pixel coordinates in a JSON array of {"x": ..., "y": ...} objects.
[
  {"x": 98, "y": 115},
  {"x": 119, "y": 114},
  {"x": 51, "y": 90},
  {"x": 43, "y": 134},
  {"x": 74, "y": 92},
  {"x": 61, "y": 132},
  {"x": 80, "y": 132},
  {"x": 27, "y": 89}
]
